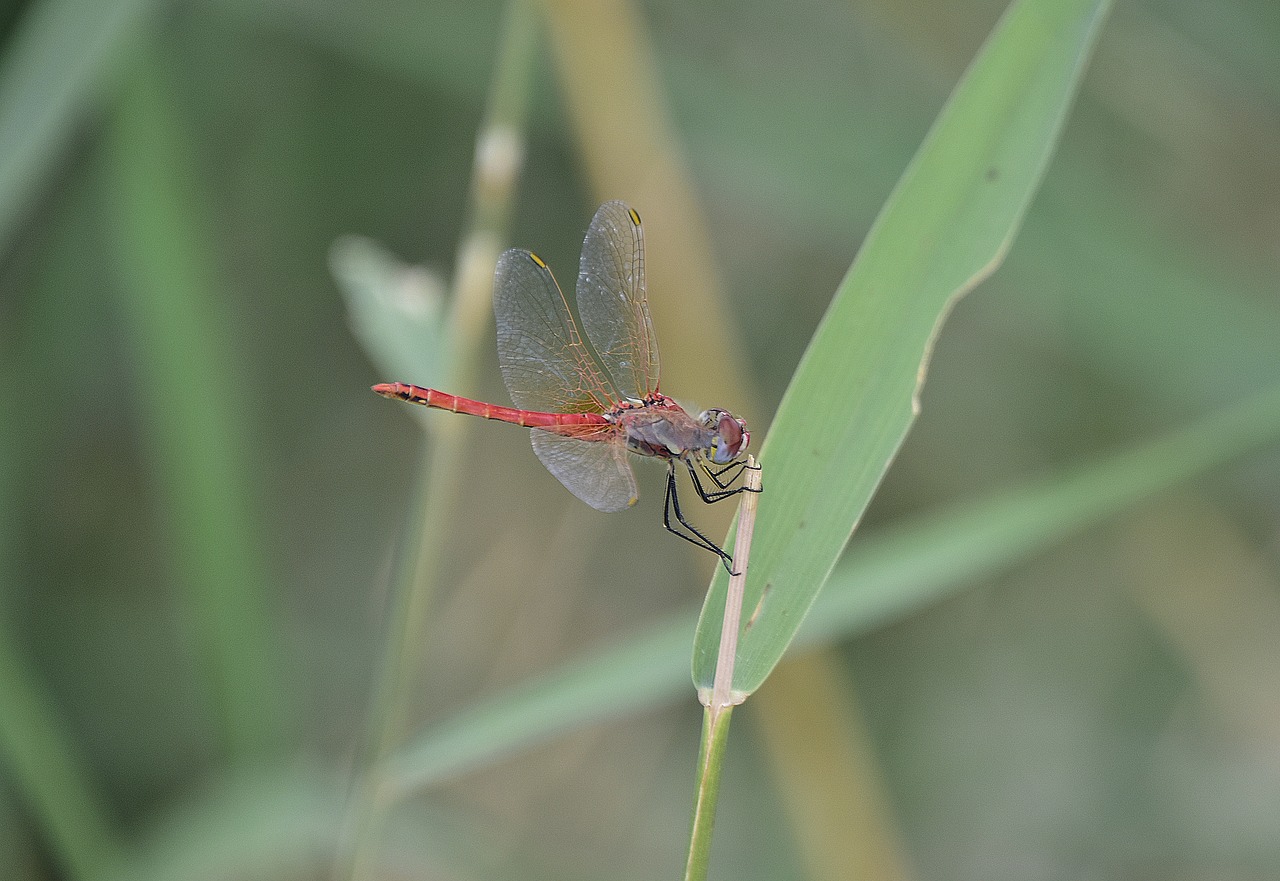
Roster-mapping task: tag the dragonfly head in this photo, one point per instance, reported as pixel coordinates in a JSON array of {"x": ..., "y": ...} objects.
[{"x": 729, "y": 435}]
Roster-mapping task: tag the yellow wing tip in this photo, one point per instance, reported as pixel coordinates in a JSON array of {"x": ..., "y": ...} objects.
[{"x": 632, "y": 501}]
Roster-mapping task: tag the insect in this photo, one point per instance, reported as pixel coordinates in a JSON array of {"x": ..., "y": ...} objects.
[{"x": 592, "y": 398}]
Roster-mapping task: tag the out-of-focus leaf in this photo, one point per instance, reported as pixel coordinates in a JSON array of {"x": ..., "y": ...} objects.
[
  {"x": 269, "y": 824},
  {"x": 189, "y": 387},
  {"x": 396, "y": 309},
  {"x": 60, "y": 59}
]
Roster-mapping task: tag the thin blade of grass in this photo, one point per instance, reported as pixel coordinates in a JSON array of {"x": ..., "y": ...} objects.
[
  {"x": 280, "y": 822},
  {"x": 39, "y": 758},
  {"x": 189, "y": 390},
  {"x": 631, "y": 149},
  {"x": 947, "y": 225},
  {"x": 886, "y": 577},
  {"x": 47, "y": 771},
  {"x": 497, "y": 167}
]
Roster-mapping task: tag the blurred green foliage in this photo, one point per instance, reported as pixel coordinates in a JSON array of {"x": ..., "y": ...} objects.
[{"x": 1104, "y": 710}]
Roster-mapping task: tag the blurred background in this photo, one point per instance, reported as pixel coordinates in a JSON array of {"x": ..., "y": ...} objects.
[{"x": 194, "y": 476}]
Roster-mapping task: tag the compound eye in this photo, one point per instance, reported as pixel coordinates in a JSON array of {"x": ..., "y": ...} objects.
[
  {"x": 731, "y": 438},
  {"x": 730, "y": 431}
]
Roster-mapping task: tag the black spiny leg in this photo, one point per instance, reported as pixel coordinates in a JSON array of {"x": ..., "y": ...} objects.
[
  {"x": 724, "y": 491},
  {"x": 694, "y": 537}
]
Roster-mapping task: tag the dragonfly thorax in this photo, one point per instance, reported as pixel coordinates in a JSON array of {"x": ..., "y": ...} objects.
[{"x": 663, "y": 429}]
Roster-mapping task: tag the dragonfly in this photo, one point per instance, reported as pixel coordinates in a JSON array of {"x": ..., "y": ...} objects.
[{"x": 590, "y": 394}]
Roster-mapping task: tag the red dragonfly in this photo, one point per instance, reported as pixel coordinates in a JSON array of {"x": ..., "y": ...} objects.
[{"x": 592, "y": 399}]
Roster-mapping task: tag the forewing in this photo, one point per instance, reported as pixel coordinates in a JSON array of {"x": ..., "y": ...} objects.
[
  {"x": 596, "y": 472},
  {"x": 544, "y": 362},
  {"x": 612, "y": 302}
]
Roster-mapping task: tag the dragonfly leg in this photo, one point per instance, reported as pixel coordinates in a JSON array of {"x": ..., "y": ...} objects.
[
  {"x": 693, "y": 536},
  {"x": 716, "y": 474},
  {"x": 740, "y": 465},
  {"x": 724, "y": 491}
]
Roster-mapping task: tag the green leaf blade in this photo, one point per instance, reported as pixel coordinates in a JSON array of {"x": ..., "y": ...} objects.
[{"x": 945, "y": 228}]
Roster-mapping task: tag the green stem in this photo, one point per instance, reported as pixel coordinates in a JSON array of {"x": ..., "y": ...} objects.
[
  {"x": 715, "y": 735},
  {"x": 720, "y": 703},
  {"x": 499, "y": 154}
]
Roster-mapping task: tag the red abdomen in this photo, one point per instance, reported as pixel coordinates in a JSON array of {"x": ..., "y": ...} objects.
[{"x": 443, "y": 401}]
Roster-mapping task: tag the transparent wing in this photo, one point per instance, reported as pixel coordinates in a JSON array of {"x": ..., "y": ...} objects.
[
  {"x": 596, "y": 472},
  {"x": 612, "y": 302},
  {"x": 544, "y": 362}
]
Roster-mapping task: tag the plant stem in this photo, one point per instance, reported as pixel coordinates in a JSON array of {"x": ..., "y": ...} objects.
[
  {"x": 715, "y": 735},
  {"x": 722, "y": 694},
  {"x": 719, "y": 706},
  {"x": 498, "y": 159}
]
